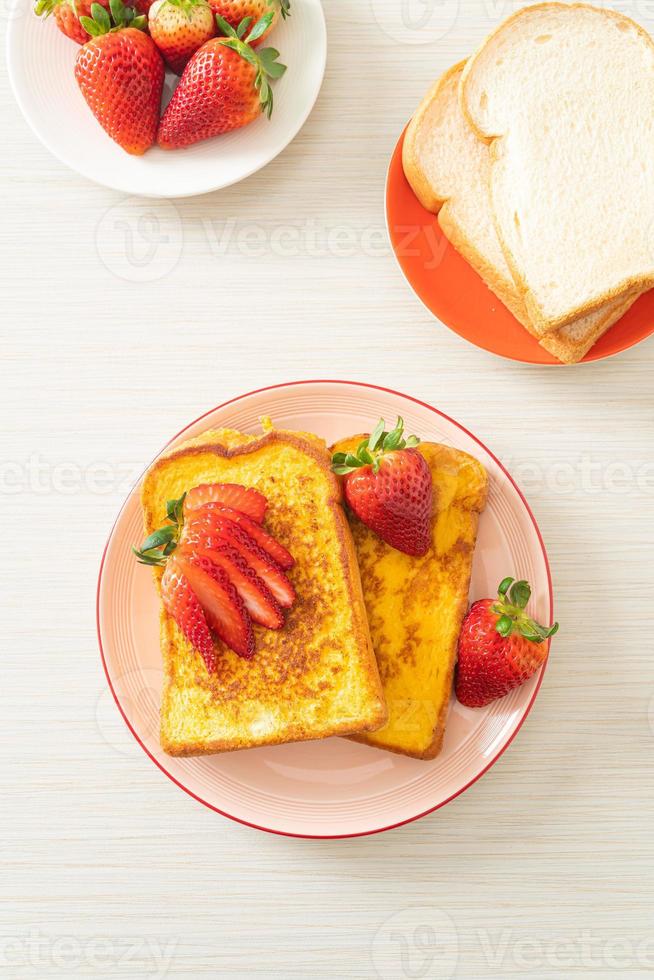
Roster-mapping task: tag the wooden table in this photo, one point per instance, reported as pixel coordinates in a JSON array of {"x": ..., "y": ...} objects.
[{"x": 124, "y": 319}]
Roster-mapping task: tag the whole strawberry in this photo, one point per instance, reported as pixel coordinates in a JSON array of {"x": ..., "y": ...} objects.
[
  {"x": 179, "y": 28},
  {"x": 500, "y": 647},
  {"x": 120, "y": 73},
  {"x": 67, "y": 15},
  {"x": 235, "y": 11},
  {"x": 225, "y": 85},
  {"x": 388, "y": 485}
]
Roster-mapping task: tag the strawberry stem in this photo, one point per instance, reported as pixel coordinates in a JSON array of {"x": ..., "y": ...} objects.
[
  {"x": 159, "y": 546},
  {"x": 372, "y": 450},
  {"x": 264, "y": 61},
  {"x": 100, "y": 22},
  {"x": 512, "y": 601}
]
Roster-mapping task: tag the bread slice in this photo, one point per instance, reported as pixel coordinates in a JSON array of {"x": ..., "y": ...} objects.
[
  {"x": 415, "y": 605},
  {"x": 318, "y": 675},
  {"x": 448, "y": 168},
  {"x": 564, "y": 94}
]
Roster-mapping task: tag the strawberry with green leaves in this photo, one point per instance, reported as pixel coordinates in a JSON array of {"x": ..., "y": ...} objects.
[
  {"x": 222, "y": 570},
  {"x": 225, "y": 85},
  {"x": 179, "y": 28},
  {"x": 500, "y": 646},
  {"x": 235, "y": 11},
  {"x": 388, "y": 485},
  {"x": 67, "y": 14},
  {"x": 120, "y": 74}
]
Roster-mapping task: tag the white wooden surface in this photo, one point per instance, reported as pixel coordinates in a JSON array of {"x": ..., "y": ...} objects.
[{"x": 116, "y": 331}]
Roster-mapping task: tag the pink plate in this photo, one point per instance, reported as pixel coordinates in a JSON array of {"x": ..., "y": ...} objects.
[{"x": 333, "y": 788}]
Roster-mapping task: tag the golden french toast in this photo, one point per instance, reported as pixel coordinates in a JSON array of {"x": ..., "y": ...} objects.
[
  {"x": 415, "y": 605},
  {"x": 317, "y": 676}
]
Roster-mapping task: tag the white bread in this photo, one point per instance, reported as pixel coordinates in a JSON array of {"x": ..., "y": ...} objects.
[
  {"x": 448, "y": 168},
  {"x": 564, "y": 95}
]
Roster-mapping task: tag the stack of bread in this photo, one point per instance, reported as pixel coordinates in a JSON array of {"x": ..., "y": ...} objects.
[{"x": 537, "y": 154}]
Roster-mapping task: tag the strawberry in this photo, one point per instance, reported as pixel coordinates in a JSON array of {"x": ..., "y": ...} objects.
[
  {"x": 266, "y": 541},
  {"x": 120, "y": 73},
  {"x": 222, "y": 605},
  {"x": 225, "y": 85},
  {"x": 179, "y": 28},
  {"x": 388, "y": 485},
  {"x": 67, "y": 15},
  {"x": 216, "y": 576},
  {"x": 212, "y": 530},
  {"x": 257, "y": 597},
  {"x": 250, "y": 502},
  {"x": 181, "y": 602},
  {"x": 500, "y": 647},
  {"x": 235, "y": 11}
]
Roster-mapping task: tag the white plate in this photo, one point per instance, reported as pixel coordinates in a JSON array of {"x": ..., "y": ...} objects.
[{"x": 41, "y": 69}]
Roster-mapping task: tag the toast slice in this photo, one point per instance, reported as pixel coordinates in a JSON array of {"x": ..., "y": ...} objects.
[
  {"x": 415, "y": 605},
  {"x": 315, "y": 677},
  {"x": 448, "y": 168},
  {"x": 563, "y": 94}
]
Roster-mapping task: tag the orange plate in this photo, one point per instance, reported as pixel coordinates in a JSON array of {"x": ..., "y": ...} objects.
[{"x": 454, "y": 293}]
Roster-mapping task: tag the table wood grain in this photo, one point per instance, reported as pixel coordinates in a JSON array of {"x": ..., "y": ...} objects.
[{"x": 122, "y": 320}]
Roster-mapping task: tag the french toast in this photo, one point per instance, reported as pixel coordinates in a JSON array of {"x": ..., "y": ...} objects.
[
  {"x": 415, "y": 605},
  {"x": 315, "y": 677}
]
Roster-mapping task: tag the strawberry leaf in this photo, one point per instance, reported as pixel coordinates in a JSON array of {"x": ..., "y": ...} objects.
[
  {"x": 225, "y": 27},
  {"x": 159, "y": 537},
  {"x": 285, "y": 9},
  {"x": 394, "y": 438},
  {"x": 376, "y": 436},
  {"x": 260, "y": 27},
  {"x": 242, "y": 27},
  {"x": 520, "y": 594},
  {"x": 90, "y": 26},
  {"x": 510, "y": 608},
  {"x": 101, "y": 17},
  {"x": 175, "y": 509},
  {"x": 271, "y": 66},
  {"x": 504, "y": 625}
]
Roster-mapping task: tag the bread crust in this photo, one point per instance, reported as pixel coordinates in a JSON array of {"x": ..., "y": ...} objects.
[{"x": 630, "y": 285}]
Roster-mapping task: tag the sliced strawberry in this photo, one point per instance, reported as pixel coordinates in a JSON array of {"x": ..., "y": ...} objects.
[
  {"x": 257, "y": 597},
  {"x": 249, "y": 501},
  {"x": 212, "y": 530},
  {"x": 266, "y": 541},
  {"x": 182, "y": 604},
  {"x": 223, "y": 607}
]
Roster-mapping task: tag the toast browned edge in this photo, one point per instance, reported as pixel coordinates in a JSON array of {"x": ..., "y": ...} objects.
[
  {"x": 504, "y": 290},
  {"x": 436, "y": 744},
  {"x": 348, "y": 556}
]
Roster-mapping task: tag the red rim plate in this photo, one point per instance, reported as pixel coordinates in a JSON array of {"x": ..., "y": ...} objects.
[{"x": 528, "y": 692}]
